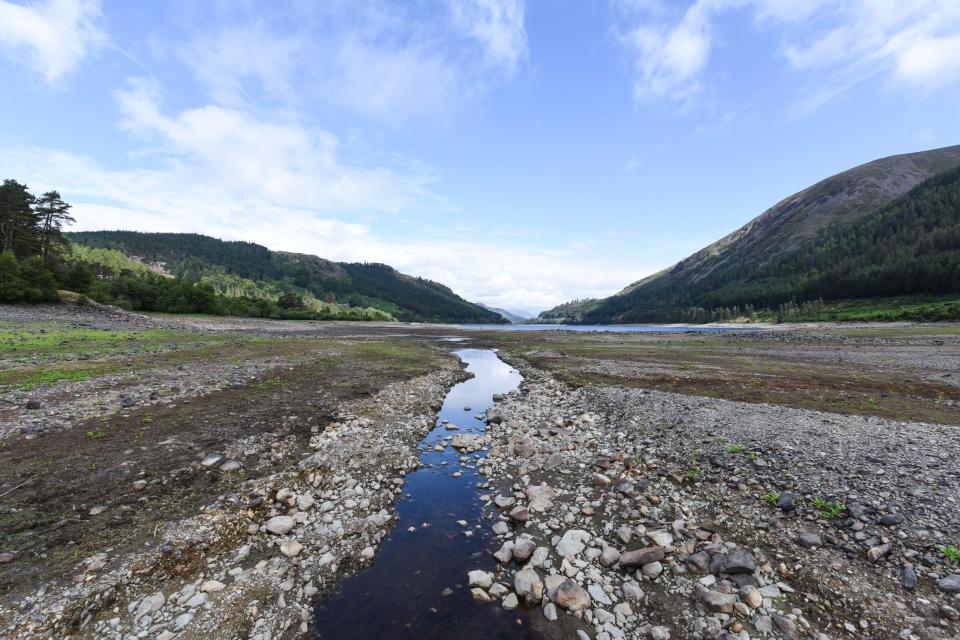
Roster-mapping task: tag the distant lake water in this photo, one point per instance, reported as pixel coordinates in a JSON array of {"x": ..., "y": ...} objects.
[{"x": 598, "y": 328}]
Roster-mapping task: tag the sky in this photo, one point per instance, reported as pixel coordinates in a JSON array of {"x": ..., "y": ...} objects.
[{"x": 523, "y": 153}]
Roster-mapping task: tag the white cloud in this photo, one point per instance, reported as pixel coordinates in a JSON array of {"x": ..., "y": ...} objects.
[
  {"x": 912, "y": 44},
  {"x": 51, "y": 36},
  {"x": 387, "y": 62},
  {"x": 498, "y": 25}
]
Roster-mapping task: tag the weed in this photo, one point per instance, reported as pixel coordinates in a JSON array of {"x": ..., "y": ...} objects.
[
  {"x": 147, "y": 418},
  {"x": 736, "y": 448},
  {"x": 95, "y": 435},
  {"x": 950, "y": 552},
  {"x": 752, "y": 455},
  {"x": 771, "y": 498},
  {"x": 4, "y": 445},
  {"x": 694, "y": 471},
  {"x": 829, "y": 510},
  {"x": 269, "y": 383}
]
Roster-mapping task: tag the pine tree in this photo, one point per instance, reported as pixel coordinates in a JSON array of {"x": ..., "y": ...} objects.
[
  {"x": 52, "y": 214},
  {"x": 18, "y": 221}
]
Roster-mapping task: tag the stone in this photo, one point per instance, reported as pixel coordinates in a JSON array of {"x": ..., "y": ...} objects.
[
  {"x": 478, "y": 578},
  {"x": 909, "y": 577},
  {"x": 879, "y": 552},
  {"x": 597, "y": 594},
  {"x": 550, "y": 611},
  {"x": 33, "y": 405},
  {"x": 715, "y": 600},
  {"x": 751, "y": 596},
  {"x": 540, "y": 497},
  {"x": 573, "y": 542},
  {"x": 212, "y": 586},
  {"x": 510, "y": 602},
  {"x": 737, "y": 561},
  {"x": 528, "y": 585},
  {"x": 785, "y": 502},
  {"x": 139, "y": 485},
  {"x": 150, "y": 604},
  {"x": 519, "y": 514},
  {"x": 652, "y": 569},
  {"x": 949, "y": 584},
  {"x": 500, "y": 527},
  {"x": 182, "y": 621},
  {"x": 639, "y": 557},
  {"x": 786, "y": 627},
  {"x": 571, "y": 596},
  {"x": 609, "y": 557},
  {"x": 211, "y": 459},
  {"x": 523, "y": 548},
  {"x": 809, "y": 540},
  {"x": 892, "y": 519},
  {"x": 698, "y": 562},
  {"x": 291, "y": 548},
  {"x": 659, "y": 633},
  {"x": 230, "y": 465},
  {"x": 480, "y": 594},
  {"x": 496, "y": 590},
  {"x": 280, "y": 525},
  {"x": 6, "y": 557},
  {"x": 505, "y": 553}
]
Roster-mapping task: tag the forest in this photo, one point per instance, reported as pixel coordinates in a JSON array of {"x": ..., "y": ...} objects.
[{"x": 911, "y": 247}]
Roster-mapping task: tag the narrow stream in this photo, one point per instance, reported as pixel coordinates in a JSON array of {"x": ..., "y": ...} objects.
[{"x": 417, "y": 586}]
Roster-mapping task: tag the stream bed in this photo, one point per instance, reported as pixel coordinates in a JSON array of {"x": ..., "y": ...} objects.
[{"x": 417, "y": 585}]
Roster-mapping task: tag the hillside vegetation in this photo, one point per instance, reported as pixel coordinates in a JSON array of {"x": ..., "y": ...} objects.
[
  {"x": 252, "y": 271},
  {"x": 877, "y": 232}
]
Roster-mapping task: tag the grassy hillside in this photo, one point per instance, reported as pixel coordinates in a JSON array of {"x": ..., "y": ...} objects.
[
  {"x": 877, "y": 231},
  {"x": 250, "y": 270}
]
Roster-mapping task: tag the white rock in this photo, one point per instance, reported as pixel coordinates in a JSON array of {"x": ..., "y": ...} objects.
[
  {"x": 280, "y": 525},
  {"x": 482, "y": 579},
  {"x": 212, "y": 586}
]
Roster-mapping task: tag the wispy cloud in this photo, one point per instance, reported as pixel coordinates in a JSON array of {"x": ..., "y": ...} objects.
[
  {"x": 498, "y": 26},
  {"x": 51, "y": 36},
  {"x": 914, "y": 45}
]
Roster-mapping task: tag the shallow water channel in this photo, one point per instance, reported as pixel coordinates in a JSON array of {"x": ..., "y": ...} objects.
[{"x": 417, "y": 585}]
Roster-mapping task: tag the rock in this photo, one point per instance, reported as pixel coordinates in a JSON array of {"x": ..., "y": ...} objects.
[
  {"x": 510, "y": 602},
  {"x": 737, "y": 561},
  {"x": 609, "y": 556},
  {"x": 519, "y": 514},
  {"x": 523, "y": 548},
  {"x": 291, "y": 548},
  {"x": 751, "y": 596},
  {"x": 571, "y": 596},
  {"x": 500, "y": 528},
  {"x": 305, "y": 502},
  {"x": 127, "y": 401},
  {"x": 480, "y": 594},
  {"x": 494, "y": 415},
  {"x": 33, "y": 405},
  {"x": 230, "y": 465},
  {"x": 550, "y": 611},
  {"x": 139, "y": 485},
  {"x": 639, "y": 557},
  {"x": 625, "y": 533},
  {"x": 809, "y": 540},
  {"x": 698, "y": 562},
  {"x": 540, "y": 497},
  {"x": 554, "y": 460},
  {"x": 652, "y": 569},
  {"x": 212, "y": 586},
  {"x": 573, "y": 542},
  {"x": 280, "y": 525},
  {"x": 786, "y": 627},
  {"x": 465, "y": 442},
  {"x": 715, "y": 600},
  {"x": 6, "y": 557},
  {"x": 597, "y": 594},
  {"x": 211, "y": 459},
  {"x": 659, "y": 633},
  {"x": 150, "y": 604},
  {"x": 949, "y": 613},
  {"x": 785, "y": 502},
  {"x": 505, "y": 553},
  {"x": 528, "y": 585},
  {"x": 949, "y": 584},
  {"x": 504, "y": 501},
  {"x": 182, "y": 621},
  {"x": 909, "y": 577},
  {"x": 878, "y": 553},
  {"x": 478, "y": 578},
  {"x": 601, "y": 480},
  {"x": 891, "y": 519},
  {"x": 496, "y": 590}
]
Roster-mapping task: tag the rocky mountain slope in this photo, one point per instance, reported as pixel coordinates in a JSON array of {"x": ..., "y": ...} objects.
[{"x": 756, "y": 265}]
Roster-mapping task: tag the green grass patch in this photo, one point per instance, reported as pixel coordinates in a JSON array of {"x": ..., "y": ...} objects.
[
  {"x": 950, "y": 552},
  {"x": 771, "y": 498},
  {"x": 829, "y": 510}
]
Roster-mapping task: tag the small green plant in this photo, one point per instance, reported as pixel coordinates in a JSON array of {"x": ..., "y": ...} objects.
[
  {"x": 147, "y": 418},
  {"x": 269, "y": 382},
  {"x": 736, "y": 448},
  {"x": 950, "y": 552},
  {"x": 95, "y": 435},
  {"x": 751, "y": 455},
  {"x": 771, "y": 498},
  {"x": 829, "y": 510},
  {"x": 721, "y": 440},
  {"x": 694, "y": 471}
]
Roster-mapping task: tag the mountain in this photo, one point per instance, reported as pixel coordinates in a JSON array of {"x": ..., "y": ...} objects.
[
  {"x": 245, "y": 268},
  {"x": 886, "y": 228},
  {"x": 513, "y": 317}
]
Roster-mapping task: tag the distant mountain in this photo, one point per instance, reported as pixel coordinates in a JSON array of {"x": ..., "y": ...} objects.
[
  {"x": 246, "y": 267},
  {"x": 509, "y": 315},
  {"x": 886, "y": 228}
]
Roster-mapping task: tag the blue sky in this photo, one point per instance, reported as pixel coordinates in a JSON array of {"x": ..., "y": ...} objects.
[{"x": 524, "y": 153}]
